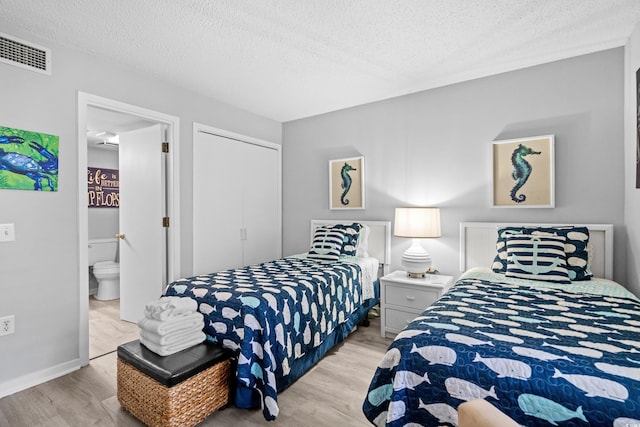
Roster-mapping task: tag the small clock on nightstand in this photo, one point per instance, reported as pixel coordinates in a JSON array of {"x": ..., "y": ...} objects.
[{"x": 403, "y": 298}]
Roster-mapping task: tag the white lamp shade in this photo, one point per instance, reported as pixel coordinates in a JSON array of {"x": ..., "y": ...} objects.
[{"x": 417, "y": 222}]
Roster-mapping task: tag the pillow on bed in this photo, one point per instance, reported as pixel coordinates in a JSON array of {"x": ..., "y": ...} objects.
[
  {"x": 351, "y": 238},
  {"x": 327, "y": 244},
  {"x": 363, "y": 242},
  {"x": 537, "y": 257},
  {"x": 576, "y": 248}
]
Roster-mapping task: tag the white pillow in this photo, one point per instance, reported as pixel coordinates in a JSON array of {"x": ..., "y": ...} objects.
[{"x": 363, "y": 242}]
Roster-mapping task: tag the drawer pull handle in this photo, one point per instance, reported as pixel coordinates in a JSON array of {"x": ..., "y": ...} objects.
[{"x": 410, "y": 298}]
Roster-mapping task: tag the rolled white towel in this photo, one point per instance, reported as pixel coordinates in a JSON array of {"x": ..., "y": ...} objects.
[
  {"x": 164, "y": 327},
  {"x": 166, "y": 350},
  {"x": 172, "y": 338},
  {"x": 169, "y": 307}
]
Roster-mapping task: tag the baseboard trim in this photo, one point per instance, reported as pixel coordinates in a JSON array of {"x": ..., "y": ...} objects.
[{"x": 22, "y": 383}]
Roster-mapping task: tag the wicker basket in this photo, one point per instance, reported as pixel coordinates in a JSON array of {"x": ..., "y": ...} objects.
[{"x": 184, "y": 404}]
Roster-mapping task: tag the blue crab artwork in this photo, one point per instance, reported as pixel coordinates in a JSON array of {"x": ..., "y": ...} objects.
[{"x": 27, "y": 160}]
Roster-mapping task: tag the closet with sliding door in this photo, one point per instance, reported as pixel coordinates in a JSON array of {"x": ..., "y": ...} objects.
[{"x": 236, "y": 200}]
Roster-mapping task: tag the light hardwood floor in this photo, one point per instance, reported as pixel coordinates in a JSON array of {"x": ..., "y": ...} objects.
[
  {"x": 330, "y": 394},
  {"x": 106, "y": 330}
]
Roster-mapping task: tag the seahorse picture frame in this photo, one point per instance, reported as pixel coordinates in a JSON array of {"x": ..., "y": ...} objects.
[
  {"x": 523, "y": 172},
  {"x": 346, "y": 183}
]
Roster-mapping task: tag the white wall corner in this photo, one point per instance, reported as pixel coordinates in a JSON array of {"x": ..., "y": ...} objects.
[{"x": 632, "y": 194}]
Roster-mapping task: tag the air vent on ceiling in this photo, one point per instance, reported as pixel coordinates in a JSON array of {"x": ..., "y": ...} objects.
[{"x": 23, "y": 54}]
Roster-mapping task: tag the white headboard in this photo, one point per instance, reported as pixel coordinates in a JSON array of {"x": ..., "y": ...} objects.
[
  {"x": 379, "y": 237},
  {"x": 478, "y": 244}
]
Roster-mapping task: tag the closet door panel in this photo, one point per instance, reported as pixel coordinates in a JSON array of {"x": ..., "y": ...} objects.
[
  {"x": 217, "y": 203},
  {"x": 261, "y": 204}
]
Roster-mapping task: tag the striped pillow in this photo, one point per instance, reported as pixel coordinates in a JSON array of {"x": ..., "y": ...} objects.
[
  {"x": 576, "y": 247},
  {"x": 327, "y": 244},
  {"x": 351, "y": 237},
  {"x": 537, "y": 258}
]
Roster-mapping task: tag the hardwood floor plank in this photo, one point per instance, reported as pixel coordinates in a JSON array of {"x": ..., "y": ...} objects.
[{"x": 106, "y": 330}]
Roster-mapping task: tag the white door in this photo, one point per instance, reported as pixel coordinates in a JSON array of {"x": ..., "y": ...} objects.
[
  {"x": 142, "y": 206},
  {"x": 260, "y": 204},
  {"x": 236, "y": 203},
  {"x": 217, "y": 203}
]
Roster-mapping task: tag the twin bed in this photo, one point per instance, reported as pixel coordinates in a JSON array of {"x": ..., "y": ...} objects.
[
  {"x": 282, "y": 316},
  {"x": 564, "y": 350}
]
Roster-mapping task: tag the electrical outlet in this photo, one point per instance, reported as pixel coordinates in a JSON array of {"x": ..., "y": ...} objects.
[
  {"x": 7, "y": 232},
  {"x": 7, "y": 325}
]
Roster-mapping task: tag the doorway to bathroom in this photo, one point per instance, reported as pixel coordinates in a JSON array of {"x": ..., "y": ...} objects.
[
  {"x": 148, "y": 255},
  {"x": 107, "y": 131}
]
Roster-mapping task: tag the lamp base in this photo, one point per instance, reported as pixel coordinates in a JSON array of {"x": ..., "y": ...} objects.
[
  {"x": 416, "y": 260},
  {"x": 416, "y": 275}
]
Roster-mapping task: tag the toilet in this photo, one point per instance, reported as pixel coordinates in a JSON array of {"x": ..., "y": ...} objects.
[{"x": 102, "y": 255}]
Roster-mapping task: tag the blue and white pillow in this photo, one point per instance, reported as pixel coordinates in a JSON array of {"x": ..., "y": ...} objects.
[
  {"x": 537, "y": 258},
  {"x": 327, "y": 244},
  {"x": 351, "y": 237},
  {"x": 576, "y": 248}
]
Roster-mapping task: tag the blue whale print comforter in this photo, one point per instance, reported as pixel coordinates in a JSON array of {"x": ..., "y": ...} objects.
[
  {"x": 273, "y": 314},
  {"x": 543, "y": 356}
]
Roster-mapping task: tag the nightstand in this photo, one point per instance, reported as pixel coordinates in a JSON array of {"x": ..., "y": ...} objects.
[{"x": 403, "y": 298}]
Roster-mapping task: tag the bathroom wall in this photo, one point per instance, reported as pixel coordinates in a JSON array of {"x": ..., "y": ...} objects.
[{"x": 103, "y": 222}]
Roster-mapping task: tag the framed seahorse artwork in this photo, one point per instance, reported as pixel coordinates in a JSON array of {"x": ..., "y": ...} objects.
[
  {"x": 346, "y": 183},
  {"x": 523, "y": 172}
]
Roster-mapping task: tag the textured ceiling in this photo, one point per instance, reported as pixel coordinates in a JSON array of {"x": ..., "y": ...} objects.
[{"x": 288, "y": 59}]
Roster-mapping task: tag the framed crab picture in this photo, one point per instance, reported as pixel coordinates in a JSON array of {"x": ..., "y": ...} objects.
[
  {"x": 523, "y": 172},
  {"x": 346, "y": 183},
  {"x": 28, "y": 160}
]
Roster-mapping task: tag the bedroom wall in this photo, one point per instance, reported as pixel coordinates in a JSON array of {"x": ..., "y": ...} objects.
[
  {"x": 433, "y": 148},
  {"x": 38, "y": 272},
  {"x": 632, "y": 194}
]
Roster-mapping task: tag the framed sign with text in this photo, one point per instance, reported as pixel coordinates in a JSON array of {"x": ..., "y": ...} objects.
[{"x": 103, "y": 187}]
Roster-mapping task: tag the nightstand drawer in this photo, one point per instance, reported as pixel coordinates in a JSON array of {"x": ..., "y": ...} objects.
[
  {"x": 403, "y": 298},
  {"x": 397, "y": 320},
  {"x": 410, "y": 297}
]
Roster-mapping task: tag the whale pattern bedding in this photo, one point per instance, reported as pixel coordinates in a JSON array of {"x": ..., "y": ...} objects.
[
  {"x": 280, "y": 317},
  {"x": 544, "y": 356}
]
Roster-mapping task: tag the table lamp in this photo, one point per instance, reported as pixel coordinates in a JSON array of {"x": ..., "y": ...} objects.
[{"x": 417, "y": 223}]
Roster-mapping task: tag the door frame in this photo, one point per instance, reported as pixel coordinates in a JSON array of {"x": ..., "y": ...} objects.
[{"x": 86, "y": 100}]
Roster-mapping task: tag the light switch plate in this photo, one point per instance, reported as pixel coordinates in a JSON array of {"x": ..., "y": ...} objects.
[{"x": 7, "y": 232}]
